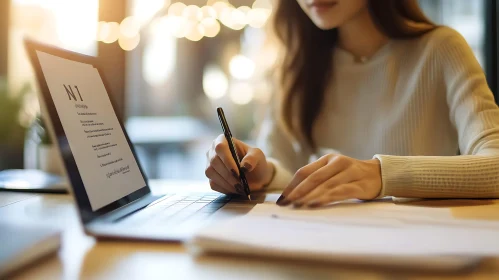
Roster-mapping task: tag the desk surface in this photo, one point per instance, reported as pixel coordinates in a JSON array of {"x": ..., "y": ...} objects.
[{"x": 82, "y": 257}]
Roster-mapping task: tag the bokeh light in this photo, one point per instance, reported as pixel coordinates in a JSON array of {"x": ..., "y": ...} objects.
[
  {"x": 213, "y": 2},
  {"x": 159, "y": 60},
  {"x": 195, "y": 31},
  {"x": 176, "y": 26},
  {"x": 241, "y": 67},
  {"x": 127, "y": 43},
  {"x": 258, "y": 17},
  {"x": 75, "y": 25},
  {"x": 208, "y": 12},
  {"x": 189, "y": 21},
  {"x": 193, "y": 13},
  {"x": 130, "y": 27},
  {"x": 114, "y": 33},
  {"x": 241, "y": 93},
  {"x": 170, "y": 25},
  {"x": 145, "y": 10},
  {"x": 244, "y": 9},
  {"x": 215, "y": 82},
  {"x": 211, "y": 26},
  {"x": 237, "y": 19},
  {"x": 176, "y": 9},
  {"x": 262, "y": 4},
  {"x": 220, "y": 6},
  {"x": 103, "y": 30}
]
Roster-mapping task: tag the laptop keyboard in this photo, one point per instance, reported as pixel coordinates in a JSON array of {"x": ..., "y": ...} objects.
[{"x": 176, "y": 209}]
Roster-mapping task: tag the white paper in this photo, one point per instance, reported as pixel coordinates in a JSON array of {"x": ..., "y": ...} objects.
[
  {"x": 104, "y": 159},
  {"x": 354, "y": 229},
  {"x": 382, "y": 214},
  {"x": 302, "y": 237}
]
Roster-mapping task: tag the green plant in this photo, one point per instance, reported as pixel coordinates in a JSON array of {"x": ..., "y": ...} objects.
[
  {"x": 11, "y": 130},
  {"x": 42, "y": 132}
]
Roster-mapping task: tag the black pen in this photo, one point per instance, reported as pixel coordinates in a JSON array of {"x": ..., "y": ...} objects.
[{"x": 233, "y": 150}]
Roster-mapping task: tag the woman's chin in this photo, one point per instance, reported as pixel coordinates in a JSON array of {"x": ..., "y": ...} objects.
[{"x": 325, "y": 24}]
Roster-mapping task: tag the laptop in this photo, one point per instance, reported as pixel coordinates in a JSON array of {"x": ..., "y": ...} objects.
[{"x": 112, "y": 193}]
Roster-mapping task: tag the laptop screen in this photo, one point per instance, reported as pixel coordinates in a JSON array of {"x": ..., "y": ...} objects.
[{"x": 106, "y": 163}]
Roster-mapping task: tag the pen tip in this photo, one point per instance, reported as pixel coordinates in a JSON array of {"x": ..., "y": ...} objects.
[{"x": 249, "y": 197}]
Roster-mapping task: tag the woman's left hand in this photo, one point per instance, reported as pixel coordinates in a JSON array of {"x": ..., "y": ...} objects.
[{"x": 333, "y": 178}]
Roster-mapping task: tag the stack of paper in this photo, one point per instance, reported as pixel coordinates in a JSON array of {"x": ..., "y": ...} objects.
[
  {"x": 23, "y": 244},
  {"x": 374, "y": 233}
]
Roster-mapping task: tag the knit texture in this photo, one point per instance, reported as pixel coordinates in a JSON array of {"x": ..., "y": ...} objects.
[{"x": 414, "y": 105}]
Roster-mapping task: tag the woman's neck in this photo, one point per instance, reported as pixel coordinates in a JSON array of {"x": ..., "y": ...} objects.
[{"x": 360, "y": 36}]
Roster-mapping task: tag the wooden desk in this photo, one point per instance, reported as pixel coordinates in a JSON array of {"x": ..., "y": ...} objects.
[{"x": 82, "y": 257}]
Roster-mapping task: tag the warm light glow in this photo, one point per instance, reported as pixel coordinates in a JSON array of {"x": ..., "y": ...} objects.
[
  {"x": 159, "y": 60},
  {"x": 185, "y": 27},
  {"x": 220, "y": 6},
  {"x": 244, "y": 9},
  {"x": 176, "y": 9},
  {"x": 262, "y": 4},
  {"x": 225, "y": 16},
  {"x": 237, "y": 19},
  {"x": 195, "y": 32},
  {"x": 173, "y": 25},
  {"x": 155, "y": 28},
  {"x": 215, "y": 82},
  {"x": 103, "y": 30},
  {"x": 76, "y": 23},
  {"x": 193, "y": 13},
  {"x": 130, "y": 27},
  {"x": 258, "y": 17},
  {"x": 241, "y": 67},
  {"x": 211, "y": 26},
  {"x": 241, "y": 93},
  {"x": 145, "y": 10},
  {"x": 114, "y": 33},
  {"x": 127, "y": 43},
  {"x": 208, "y": 12},
  {"x": 213, "y": 2}
]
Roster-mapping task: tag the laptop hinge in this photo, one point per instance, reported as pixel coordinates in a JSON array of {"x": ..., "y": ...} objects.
[{"x": 128, "y": 209}]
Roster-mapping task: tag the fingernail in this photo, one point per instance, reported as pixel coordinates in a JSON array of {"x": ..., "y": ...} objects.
[
  {"x": 285, "y": 203},
  {"x": 282, "y": 201},
  {"x": 314, "y": 204},
  {"x": 246, "y": 166},
  {"x": 234, "y": 173},
  {"x": 298, "y": 204}
]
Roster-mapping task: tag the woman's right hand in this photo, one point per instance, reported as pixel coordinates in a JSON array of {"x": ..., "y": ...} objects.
[{"x": 222, "y": 169}]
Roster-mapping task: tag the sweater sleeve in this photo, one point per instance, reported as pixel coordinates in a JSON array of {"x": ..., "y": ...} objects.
[
  {"x": 286, "y": 155},
  {"x": 475, "y": 115}
]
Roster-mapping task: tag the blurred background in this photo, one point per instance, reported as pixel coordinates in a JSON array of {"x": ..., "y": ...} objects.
[{"x": 169, "y": 64}]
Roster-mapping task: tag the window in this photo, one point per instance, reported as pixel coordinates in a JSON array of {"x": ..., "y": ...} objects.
[
  {"x": 467, "y": 17},
  {"x": 191, "y": 60}
]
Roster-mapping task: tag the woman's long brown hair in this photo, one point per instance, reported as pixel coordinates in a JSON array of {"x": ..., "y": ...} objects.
[{"x": 306, "y": 64}]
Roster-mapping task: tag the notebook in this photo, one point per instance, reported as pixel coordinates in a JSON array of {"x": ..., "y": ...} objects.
[{"x": 22, "y": 245}]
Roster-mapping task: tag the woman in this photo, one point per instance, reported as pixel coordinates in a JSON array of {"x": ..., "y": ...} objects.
[{"x": 396, "y": 95}]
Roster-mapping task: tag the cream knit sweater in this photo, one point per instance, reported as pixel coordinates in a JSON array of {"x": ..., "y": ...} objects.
[{"x": 414, "y": 105}]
